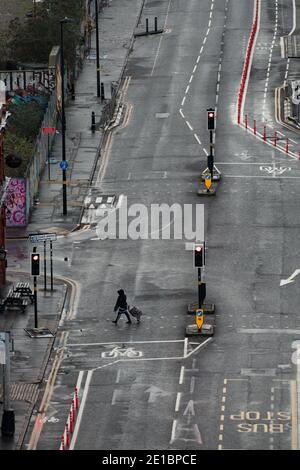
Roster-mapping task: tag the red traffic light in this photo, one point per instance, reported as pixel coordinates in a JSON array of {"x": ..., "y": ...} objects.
[
  {"x": 198, "y": 256},
  {"x": 210, "y": 119},
  {"x": 35, "y": 264}
]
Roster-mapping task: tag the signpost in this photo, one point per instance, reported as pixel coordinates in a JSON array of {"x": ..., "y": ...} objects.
[{"x": 44, "y": 238}]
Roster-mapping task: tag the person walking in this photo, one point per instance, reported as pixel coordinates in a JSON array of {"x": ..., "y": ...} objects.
[{"x": 121, "y": 306}]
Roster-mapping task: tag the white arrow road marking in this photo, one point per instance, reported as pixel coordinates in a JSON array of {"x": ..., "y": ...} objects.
[
  {"x": 155, "y": 392},
  {"x": 289, "y": 280}
]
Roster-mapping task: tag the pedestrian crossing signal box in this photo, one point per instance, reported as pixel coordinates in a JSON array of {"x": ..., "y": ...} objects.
[
  {"x": 35, "y": 264},
  {"x": 199, "y": 258}
]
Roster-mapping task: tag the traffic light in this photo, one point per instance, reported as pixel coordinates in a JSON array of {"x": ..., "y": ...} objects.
[
  {"x": 198, "y": 256},
  {"x": 210, "y": 119},
  {"x": 35, "y": 264}
]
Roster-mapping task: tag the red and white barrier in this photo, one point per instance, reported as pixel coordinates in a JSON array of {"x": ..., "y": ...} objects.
[{"x": 246, "y": 69}]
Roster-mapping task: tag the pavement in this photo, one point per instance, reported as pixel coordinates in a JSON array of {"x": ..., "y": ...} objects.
[{"x": 30, "y": 357}]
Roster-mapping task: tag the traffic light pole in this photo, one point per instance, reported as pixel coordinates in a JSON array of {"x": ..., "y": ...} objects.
[
  {"x": 199, "y": 286},
  {"x": 35, "y": 296},
  {"x": 210, "y": 162}
]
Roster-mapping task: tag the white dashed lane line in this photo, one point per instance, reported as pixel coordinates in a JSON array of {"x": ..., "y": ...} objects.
[
  {"x": 183, "y": 102},
  {"x": 222, "y": 415}
]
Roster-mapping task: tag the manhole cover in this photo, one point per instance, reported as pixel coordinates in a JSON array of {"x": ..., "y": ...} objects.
[{"x": 39, "y": 332}]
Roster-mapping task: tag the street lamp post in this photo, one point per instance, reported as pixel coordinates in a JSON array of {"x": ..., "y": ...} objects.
[
  {"x": 97, "y": 50},
  {"x": 63, "y": 115}
]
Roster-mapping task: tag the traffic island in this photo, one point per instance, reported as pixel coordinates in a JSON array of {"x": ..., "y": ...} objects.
[
  {"x": 208, "y": 308},
  {"x": 216, "y": 177},
  {"x": 206, "y": 330},
  {"x": 205, "y": 192}
]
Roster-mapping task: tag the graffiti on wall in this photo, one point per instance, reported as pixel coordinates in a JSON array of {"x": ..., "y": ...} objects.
[{"x": 16, "y": 203}]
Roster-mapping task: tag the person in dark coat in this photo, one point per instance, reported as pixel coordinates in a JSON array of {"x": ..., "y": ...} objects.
[{"x": 121, "y": 306}]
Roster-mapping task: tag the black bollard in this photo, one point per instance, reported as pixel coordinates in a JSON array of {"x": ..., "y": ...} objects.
[
  {"x": 147, "y": 26},
  {"x": 102, "y": 91},
  {"x": 155, "y": 24},
  {"x": 73, "y": 91},
  {"x": 93, "y": 126}
]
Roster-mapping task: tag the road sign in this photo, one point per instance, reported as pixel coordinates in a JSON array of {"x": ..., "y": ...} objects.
[
  {"x": 199, "y": 318},
  {"x": 48, "y": 130},
  {"x": 42, "y": 237},
  {"x": 207, "y": 181},
  {"x": 64, "y": 165}
]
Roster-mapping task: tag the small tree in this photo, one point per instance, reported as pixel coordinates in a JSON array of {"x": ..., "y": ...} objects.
[{"x": 33, "y": 40}]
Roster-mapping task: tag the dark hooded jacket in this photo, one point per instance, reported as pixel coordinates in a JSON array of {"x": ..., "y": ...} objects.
[{"x": 122, "y": 300}]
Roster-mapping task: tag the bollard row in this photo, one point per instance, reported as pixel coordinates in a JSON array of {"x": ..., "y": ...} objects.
[
  {"x": 273, "y": 139},
  {"x": 70, "y": 424}
]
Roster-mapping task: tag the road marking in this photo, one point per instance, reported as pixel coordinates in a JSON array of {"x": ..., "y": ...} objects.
[
  {"x": 192, "y": 385},
  {"x": 81, "y": 408},
  {"x": 294, "y": 18},
  {"x": 177, "y": 405},
  {"x": 185, "y": 348},
  {"x": 289, "y": 280},
  {"x": 270, "y": 59},
  {"x": 128, "y": 342},
  {"x": 197, "y": 138},
  {"x": 158, "y": 49},
  {"x": 208, "y": 340},
  {"x": 181, "y": 377},
  {"x": 189, "y": 125},
  {"x": 267, "y": 331}
]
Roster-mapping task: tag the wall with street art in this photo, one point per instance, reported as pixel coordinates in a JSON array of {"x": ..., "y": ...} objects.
[{"x": 16, "y": 203}]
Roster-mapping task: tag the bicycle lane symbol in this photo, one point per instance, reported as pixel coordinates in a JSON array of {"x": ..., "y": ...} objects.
[{"x": 119, "y": 352}]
